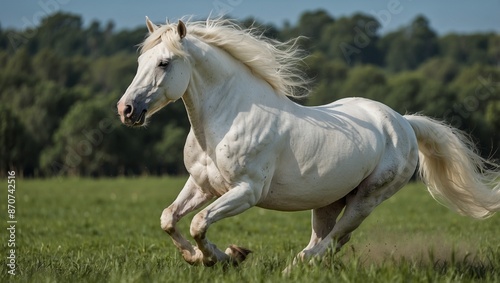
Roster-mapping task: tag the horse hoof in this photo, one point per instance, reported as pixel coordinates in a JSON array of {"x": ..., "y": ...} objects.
[{"x": 237, "y": 254}]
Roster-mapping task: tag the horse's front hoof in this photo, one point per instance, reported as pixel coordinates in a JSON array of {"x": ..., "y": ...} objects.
[{"x": 237, "y": 254}]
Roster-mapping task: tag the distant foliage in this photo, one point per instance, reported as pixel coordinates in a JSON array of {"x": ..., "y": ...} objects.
[{"x": 59, "y": 83}]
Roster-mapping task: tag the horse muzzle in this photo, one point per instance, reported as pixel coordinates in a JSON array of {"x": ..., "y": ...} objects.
[{"x": 130, "y": 115}]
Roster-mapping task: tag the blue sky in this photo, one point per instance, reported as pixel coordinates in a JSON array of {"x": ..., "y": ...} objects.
[{"x": 445, "y": 15}]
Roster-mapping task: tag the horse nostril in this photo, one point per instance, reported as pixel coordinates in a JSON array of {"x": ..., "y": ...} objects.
[{"x": 128, "y": 110}]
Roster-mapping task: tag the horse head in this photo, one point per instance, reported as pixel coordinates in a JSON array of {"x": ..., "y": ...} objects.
[{"x": 162, "y": 76}]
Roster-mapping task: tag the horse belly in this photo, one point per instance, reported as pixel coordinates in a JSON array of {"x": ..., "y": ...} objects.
[
  {"x": 296, "y": 198},
  {"x": 301, "y": 192},
  {"x": 312, "y": 175}
]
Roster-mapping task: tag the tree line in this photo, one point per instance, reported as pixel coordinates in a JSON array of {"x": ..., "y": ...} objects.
[{"x": 60, "y": 81}]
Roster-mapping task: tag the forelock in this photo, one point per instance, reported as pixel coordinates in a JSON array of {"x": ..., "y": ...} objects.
[{"x": 166, "y": 34}]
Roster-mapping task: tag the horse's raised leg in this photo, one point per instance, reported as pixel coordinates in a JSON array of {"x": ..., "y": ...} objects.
[
  {"x": 234, "y": 202},
  {"x": 190, "y": 198}
]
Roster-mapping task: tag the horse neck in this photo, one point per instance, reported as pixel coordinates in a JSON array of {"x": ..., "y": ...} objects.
[{"x": 220, "y": 88}]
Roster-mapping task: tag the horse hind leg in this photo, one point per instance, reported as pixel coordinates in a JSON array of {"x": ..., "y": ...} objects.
[
  {"x": 323, "y": 220},
  {"x": 392, "y": 174},
  {"x": 370, "y": 193},
  {"x": 379, "y": 186}
]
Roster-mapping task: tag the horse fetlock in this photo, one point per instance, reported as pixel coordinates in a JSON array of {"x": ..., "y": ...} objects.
[
  {"x": 207, "y": 257},
  {"x": 202, "y": 258},
  {"x": 193, "y": 257}
]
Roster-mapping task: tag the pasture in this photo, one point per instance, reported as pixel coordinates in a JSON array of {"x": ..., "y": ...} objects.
[{"x": 108, "y": 230}]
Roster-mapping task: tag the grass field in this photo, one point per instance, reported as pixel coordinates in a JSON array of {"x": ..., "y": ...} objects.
[{"x": 108, "y": 230}]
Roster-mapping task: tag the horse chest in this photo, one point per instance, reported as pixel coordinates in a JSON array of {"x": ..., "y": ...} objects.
[
  {"x": 206, "y": 174},
  {"x": 211, "y": 175}
]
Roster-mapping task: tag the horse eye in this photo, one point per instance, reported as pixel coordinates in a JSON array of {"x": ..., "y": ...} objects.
[{"x": 163, "y": 63}]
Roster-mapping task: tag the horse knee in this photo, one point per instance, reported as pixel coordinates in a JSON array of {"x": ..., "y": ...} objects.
[
  {"x": 198, "y": 226},
  {"x": 168, "y": 220}
]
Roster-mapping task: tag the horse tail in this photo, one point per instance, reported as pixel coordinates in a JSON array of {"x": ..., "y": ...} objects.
[{"x": 455, "y": 175}]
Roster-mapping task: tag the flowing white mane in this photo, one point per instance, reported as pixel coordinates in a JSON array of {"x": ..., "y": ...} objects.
[{"x": 274, "y": 61}]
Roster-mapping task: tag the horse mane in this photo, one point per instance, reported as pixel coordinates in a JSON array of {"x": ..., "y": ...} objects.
[{"x": 275, "y": 62}]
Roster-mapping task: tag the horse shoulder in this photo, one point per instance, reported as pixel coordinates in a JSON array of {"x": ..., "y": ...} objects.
[
  {"x": 248, "y": 148},
  {"x": 242, "y": 153}
]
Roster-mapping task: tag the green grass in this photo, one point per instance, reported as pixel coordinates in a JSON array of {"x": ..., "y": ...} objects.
[{"x": 108, "y": 230}]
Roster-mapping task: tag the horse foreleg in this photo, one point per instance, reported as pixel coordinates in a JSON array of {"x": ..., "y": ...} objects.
[
  {"x": 234, "y": 202},
  {"x": 189, "y": 199}
]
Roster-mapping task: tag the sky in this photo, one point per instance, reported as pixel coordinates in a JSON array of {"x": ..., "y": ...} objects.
[{"x": 445, "y": 16}]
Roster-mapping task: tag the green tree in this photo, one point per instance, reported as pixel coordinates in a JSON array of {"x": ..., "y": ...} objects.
[
  {"x": 18, "y": 70},
  {"x": 110, "y": 73},
  {"x": 476, "y": 88},
  {"x": 494, "y": 49},
  {"x": 50, "y": 66},
  {"x": 410, "y": 46},
  {"x": 440, "y": 69},
  {"x": 470, "y": 49},
  {"x": 365, "y": 81},
  {"x": 493, "y": 120},
  {"x": 328, "y": 76},
  {"x": 63, "y": 33},
  {"x": 311, "y": 25},
  {"x": 169, "y": 150},
  {"x": 404, "y": 90},
  {"x": 352, "y": 39},
  {"x": 410, "y": 92},
  {"x": 86, "y": 142},
  {"x": 15, "y": 151},
  {"x": 493, "y": 116}
]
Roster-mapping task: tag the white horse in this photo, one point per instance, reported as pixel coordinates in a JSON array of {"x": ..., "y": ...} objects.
[{"x": 250, "y": 145}]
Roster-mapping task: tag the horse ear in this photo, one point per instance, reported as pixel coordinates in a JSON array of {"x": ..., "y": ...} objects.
[
  {"x": 181, "y": 29},
  {"x": 151, "y": 27}
]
